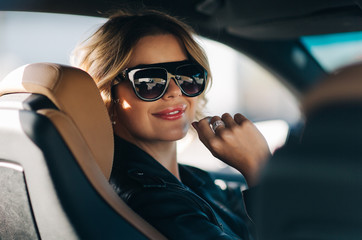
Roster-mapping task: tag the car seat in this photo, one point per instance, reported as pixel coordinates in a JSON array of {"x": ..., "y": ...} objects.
[
  {"x": 56, "y": 154},
  {"x": 311, "y": 189}
]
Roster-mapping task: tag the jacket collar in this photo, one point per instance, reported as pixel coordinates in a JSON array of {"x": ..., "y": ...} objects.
[
  {"x": 128, "y": 157},
  {"x": 189, "y": 178}
]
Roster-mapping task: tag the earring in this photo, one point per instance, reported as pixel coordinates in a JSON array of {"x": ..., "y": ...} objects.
[
  {"x": 112, "y": 120},
  {"x": 113, "y": 117},
  {"x": 113, "y": 114}
]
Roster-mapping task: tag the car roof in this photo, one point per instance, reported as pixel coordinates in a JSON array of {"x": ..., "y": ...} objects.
[{"x": 262, "y": 19}]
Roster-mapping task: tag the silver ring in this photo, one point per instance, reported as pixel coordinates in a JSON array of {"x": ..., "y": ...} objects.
[{"x": 217, "y": 124}]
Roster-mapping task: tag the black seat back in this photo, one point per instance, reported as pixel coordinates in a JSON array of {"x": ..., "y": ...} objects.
[{"x": 312, "y": 189}]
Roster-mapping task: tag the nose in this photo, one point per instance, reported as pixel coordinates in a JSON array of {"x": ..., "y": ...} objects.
[{"x": 173, "y": 90}]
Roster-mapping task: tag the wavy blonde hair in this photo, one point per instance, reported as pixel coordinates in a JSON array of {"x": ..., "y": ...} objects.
[{"x": 108, "y": 51}]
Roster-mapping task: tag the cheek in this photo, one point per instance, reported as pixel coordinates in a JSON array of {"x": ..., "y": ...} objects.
[
  {"x": 131, "y": 111},
  {"x": 130, "y": 108},
  {"x": 132, "y": 120},
  {"x": 193, "y": 102}
]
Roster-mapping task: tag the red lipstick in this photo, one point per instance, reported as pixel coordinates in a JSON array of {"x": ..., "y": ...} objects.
[{"x": 171, "y": 113}]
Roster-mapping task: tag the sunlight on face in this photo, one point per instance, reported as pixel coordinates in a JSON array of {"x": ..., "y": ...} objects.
[{"x": 126, "y": 105}]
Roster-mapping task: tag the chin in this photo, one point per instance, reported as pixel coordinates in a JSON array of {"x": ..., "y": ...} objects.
[{"x": 173, "y": 135}]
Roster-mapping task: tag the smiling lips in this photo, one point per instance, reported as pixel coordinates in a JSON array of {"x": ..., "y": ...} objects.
[{"x": 171, "y": 113}]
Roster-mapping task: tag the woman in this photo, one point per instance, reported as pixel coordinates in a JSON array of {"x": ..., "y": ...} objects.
[{"x": 152, "y": 75}]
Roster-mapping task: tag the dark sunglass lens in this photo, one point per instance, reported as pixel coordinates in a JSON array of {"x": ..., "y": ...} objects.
[
  {"x": 150, "y": 83},
  {"x": 191, "y": 79}
]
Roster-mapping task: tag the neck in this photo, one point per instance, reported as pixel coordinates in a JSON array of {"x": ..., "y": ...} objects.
[{"x": 163, "y": 151}]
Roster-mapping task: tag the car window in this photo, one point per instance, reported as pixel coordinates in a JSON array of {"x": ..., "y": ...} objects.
[
  {"x": 40, "y": 37},
  {"x": 240, "y": 84},
  {"x": 333, "y": 51}
]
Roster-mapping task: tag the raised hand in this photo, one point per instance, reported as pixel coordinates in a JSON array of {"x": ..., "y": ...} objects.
[{"x": 236, "y": 141}]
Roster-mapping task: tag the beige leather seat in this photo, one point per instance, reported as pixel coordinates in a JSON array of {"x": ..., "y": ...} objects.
[{"x": 56, "y": 154}]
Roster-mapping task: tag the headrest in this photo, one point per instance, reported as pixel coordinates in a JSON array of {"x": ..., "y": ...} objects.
[
  {"x": 343, "y": 86},
  {"x": 76, "y": 95}
]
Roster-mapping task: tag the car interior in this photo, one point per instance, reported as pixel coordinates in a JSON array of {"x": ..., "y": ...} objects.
[{"x": 56, "y": 150}]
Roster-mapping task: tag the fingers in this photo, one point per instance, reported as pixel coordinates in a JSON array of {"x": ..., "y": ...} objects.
[
  {"x": 203, "y": 130},
  {"x": 239, "y": 118},
  {"x": 214, "y": 129},
  {"x": 217, "y": 124},
  {"x": 228, "y": 120},
  {"x": 209, "y": 129}
]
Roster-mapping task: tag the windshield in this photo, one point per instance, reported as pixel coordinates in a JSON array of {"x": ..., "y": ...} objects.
[{"x": 333, "y": 51}]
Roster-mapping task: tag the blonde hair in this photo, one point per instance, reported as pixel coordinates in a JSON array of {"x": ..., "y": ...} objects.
[{"x": 108, "y": 51}]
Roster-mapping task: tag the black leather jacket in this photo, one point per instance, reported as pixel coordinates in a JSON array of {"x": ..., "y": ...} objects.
[{"x": 195, "y": 208}]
